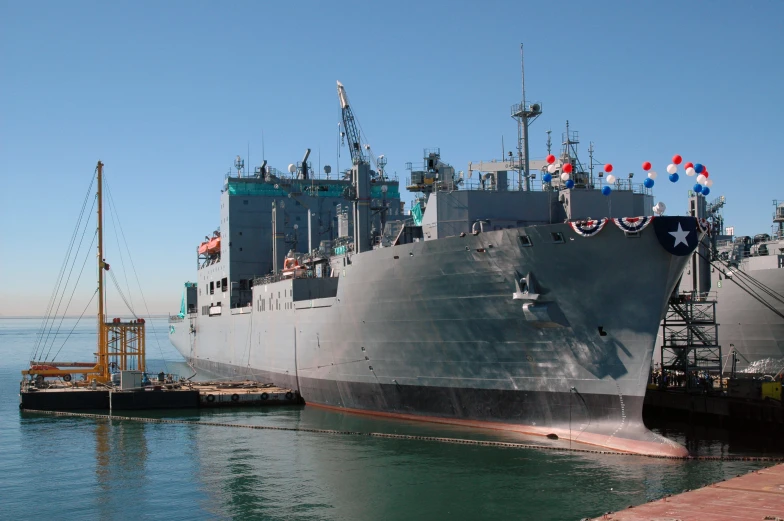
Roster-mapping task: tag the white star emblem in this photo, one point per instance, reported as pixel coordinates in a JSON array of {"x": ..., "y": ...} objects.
[{"x": 680, "y": 236}]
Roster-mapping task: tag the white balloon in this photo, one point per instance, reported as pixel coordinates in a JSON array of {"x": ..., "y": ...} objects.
[
  {"x": 690, "y": 171},
  {"x": 652, "y": 174},
  {"x": 709, "y": 183},
  {"x": 672, "y": 168},
  {"x": 701, "y": 179},
  {"x": 610, "y": 178},
  {"x": 552, "y": 168},
  {"x": 565, "y": 177}
]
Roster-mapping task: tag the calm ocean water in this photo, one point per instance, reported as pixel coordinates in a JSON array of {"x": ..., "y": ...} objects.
[{"x": 95, "y": 469}]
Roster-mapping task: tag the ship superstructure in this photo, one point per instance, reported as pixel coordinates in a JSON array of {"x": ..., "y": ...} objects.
[{"x": 502, "y": 300}]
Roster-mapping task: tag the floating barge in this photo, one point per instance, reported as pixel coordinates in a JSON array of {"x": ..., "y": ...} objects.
[
  {"x": 756, "y": 495},
  {"x": 159, "y": 394}
]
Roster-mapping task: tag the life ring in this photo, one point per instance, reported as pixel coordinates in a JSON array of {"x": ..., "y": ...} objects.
[
  {"x": 264, "y": 396},
  {"x": 289, "y": 396},
  {"x": 210, "y": 398},
  {"x": 67, "y": 377},
  {"x": 235, "y": 397}
]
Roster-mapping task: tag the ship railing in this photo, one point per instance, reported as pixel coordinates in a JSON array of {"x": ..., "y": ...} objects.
[
  {"x": 694, "y": 296},
  {"x": 538, "y": 185}
]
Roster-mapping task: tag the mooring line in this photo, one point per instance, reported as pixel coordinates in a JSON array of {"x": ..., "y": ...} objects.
[{"x": 457, "y": 441}]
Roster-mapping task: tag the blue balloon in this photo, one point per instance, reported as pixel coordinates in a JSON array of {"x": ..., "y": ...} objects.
[
  {"x": 698, "y": 188},
  {"x": 569, "y": 184},
  {"x": 674, "y": 178},
  {"x": 699, "y": 168},
  {"x": 648, "y": 183},
  {"x": 705, "y": 191},
  {"x": 606, "y": 190},
  {"x": 547, "y": 178}
]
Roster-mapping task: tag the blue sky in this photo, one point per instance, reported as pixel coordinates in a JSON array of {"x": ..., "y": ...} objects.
[{"x": 168, "y": 93}]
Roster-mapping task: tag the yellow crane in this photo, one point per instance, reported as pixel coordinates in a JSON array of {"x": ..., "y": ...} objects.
[{"x": 121, "y": 344}]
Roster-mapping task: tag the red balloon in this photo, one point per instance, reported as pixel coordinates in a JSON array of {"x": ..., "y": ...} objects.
[
  {"x": 608, "y": 168},
  {"x": 646, "y": 166},
  {"x": 676, "y": 159},
  {"x": 688, "y": 165},
  {"x": 567, "y": 168},
  {"x": 705, "y": 173},
  {"x": 550, "y": 159}
]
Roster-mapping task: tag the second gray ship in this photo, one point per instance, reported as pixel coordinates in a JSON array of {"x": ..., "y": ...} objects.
[{"x": 501, "y": 301}]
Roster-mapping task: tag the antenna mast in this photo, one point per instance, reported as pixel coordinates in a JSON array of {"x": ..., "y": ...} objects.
[{"x": 524, "y": 115}]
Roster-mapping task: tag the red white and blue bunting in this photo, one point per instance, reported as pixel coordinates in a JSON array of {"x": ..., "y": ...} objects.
[
  {"x": 588, "y": 228},
  {"x": 703, "y": 225},
  {"x": 632, "y": 224}
]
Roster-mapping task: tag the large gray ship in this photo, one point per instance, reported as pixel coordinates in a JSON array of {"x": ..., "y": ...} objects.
[
  {"x": 502, "y": 300},
  {"x": 745, "y": 276}
]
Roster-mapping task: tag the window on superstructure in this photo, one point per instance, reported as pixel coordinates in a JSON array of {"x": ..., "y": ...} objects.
[
  {"x": 558, "y": 237},
  {"x": 525, "y": 240},
  {"x": 212, "y": 288},
  {"x": 224, "y": 284}
]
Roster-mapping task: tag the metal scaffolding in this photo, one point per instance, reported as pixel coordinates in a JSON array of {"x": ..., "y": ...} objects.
[
  {"x": 125, "y": 349},
  {"x": 690, "y": 338}
]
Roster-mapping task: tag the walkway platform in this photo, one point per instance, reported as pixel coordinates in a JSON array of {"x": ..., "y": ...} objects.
[
  {"x": 60, "y": 396},
  {"x": 759, "y": 495}
]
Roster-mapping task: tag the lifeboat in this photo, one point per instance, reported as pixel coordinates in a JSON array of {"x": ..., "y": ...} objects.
[
  {"x": 291, "y": 268},
  {"x": 203, "y": 247},
  {"x": 214, "y": 245}
]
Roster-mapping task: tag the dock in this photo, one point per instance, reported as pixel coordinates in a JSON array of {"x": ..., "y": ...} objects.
[
  {"x": 758, "y": 495},
  {"x": 63, "y": 396}
]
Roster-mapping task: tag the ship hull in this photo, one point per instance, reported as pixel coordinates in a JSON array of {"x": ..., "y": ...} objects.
[{"x": 440, "y": 330}]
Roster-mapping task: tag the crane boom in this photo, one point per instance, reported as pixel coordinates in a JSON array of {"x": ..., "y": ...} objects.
[{"x": 349, "y": 123}]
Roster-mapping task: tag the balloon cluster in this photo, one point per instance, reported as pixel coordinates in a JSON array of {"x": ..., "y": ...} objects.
[
  {"x": 606, "y": 190},
  {"x": 552, "y": 168},
  {"x": 703, "y": 184}
]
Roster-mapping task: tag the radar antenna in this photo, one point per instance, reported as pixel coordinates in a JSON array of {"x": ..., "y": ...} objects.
[{"x": 524, "y": 115}]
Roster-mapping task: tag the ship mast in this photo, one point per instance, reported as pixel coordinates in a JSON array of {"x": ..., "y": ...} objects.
[
  {"x": 103, "y": 355},
  {"x": 524, "y": 115}
]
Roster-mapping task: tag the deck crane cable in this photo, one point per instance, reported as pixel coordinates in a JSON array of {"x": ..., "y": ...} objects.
[
  {"x": 766, "y": 289},
  {"x": 53, "y": 297},
  {"x": 70, "y": 299},
  {"x": 748, "y": 290},
  {"x": 65, "y": 287},
  {"x": 77, "y": 323},
  {"x": 122, "y": 295},
  {"x": 748, "y": 279},
  {"x": 136, "y": 275},
  {"x": 120, "y": 251}
]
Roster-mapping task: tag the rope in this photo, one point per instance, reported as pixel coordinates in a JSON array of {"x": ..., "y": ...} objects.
[
  {"x": 55, "y": 291},
  {"x": 744, "y": 286},
  {"x": 119, "y": 249},
  {"x": 458, "y": 441},
  {"x": 122, "y": 295},
  {"x": 73, "y": 292},
  {"x": 48, "y": 315},
  {"x": 136, "y": 275},
  {"x": 77, "y": 323}
]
